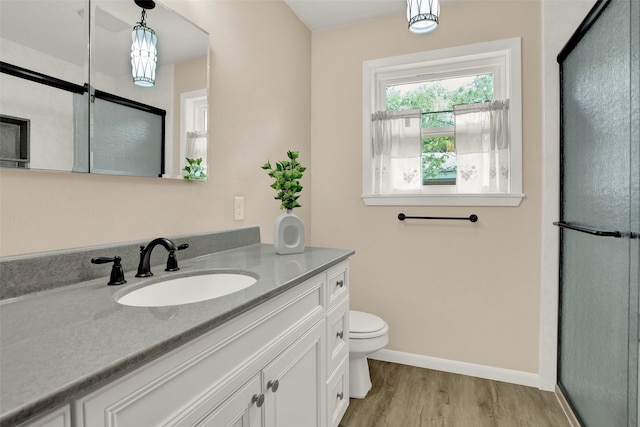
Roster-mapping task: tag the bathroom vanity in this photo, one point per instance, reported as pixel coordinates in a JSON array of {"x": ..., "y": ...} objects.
[{"x": 273, "y": 354}]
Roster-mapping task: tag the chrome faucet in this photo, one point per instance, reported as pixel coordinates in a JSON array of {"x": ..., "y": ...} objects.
[{"x": 144, "y": 269}]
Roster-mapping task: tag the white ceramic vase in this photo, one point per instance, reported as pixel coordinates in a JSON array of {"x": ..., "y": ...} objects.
[{"x": 288, "y": 233}]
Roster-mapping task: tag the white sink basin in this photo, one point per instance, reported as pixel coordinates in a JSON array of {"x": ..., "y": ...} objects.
[{"x": 185, "y": 290}]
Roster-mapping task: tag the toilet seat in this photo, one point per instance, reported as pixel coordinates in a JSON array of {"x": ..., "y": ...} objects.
[{"x": 366, "y": 325}]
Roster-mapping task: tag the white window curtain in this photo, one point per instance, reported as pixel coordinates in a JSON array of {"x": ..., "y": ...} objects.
[
  {"x": 396, "y": 151},
  {"x": 197, "y": 145},
  {"x": 482, "y": 146}
]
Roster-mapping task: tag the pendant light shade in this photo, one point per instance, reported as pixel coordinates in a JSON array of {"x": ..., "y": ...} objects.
[
  {"x": 144, "y": 53},
  {"x": 423, "y": 15}
]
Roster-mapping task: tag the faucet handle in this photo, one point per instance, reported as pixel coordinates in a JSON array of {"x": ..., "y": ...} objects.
[
  {"x": 117, "y": 272},
  {"x": 172, "y": 261}
]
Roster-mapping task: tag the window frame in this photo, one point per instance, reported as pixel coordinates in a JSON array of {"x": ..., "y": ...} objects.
[{"x": 500, "y": 57}]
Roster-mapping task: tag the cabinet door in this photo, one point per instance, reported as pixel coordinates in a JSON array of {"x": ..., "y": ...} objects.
[
  {"x": 60, "y": 417},
  {"x": 294, "y": 382},
  {"x": 243, "y": 409}
]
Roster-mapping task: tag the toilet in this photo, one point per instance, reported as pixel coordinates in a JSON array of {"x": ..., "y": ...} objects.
[{"x": 367, "y": 333}]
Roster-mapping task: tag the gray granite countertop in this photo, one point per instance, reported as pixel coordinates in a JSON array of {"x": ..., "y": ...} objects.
[{"x": 57, "y": 344}]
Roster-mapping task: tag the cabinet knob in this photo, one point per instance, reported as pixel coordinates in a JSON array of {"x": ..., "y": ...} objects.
[
  {"x": 273, "y": 385},
  {"x": 340, "y": 334},
  {"x": 340, "y": 395},
  {"x": 340, "y": 283},
  {"x": 258, "y": 399}
]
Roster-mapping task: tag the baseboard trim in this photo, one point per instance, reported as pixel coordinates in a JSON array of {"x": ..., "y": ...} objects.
[
  {"x": 566, "y": 408},
  {"x": 456, "y": 367}
]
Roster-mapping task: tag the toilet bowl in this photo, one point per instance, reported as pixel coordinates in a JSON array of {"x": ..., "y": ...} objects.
[{"x": 367, "y": 333}]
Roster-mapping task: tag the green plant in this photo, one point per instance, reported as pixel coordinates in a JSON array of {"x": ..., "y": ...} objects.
[
  {"x": 194, "y": 170},
  {"x": 436, "y": 151},
  {"x": 287, "y": 175}
]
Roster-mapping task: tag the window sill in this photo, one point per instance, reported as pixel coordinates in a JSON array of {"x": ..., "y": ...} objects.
[{"x": 513, "y": 199}]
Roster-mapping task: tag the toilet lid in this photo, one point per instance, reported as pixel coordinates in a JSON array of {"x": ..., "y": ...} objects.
[{"x": 362, "y": 323}]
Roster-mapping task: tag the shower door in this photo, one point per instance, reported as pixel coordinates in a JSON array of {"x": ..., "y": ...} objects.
[{"x": 599, "y": 218}]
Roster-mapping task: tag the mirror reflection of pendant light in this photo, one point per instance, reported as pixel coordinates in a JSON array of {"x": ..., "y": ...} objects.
[
  {"x": 423, "y": 15},
  {"x": 144, "y": 54}
]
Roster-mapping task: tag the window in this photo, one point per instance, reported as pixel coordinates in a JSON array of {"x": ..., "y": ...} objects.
[
  {"x": 435, "y": 99},
  {"x": 430, "y": 84},
  {"x": 193, "y": 127}
]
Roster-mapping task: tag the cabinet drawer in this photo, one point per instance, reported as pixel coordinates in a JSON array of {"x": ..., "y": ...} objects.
[
  {"x": 189, "y": 379},
  {"x": 337, "y": 335},
  {"x": 337, "y": 283},
  {"x": 338, "y": 393}
]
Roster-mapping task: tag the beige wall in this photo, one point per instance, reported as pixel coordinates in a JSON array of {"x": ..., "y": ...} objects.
[
  {"x": 259, "y": 108},
  {"x": 447, "y": 289}
]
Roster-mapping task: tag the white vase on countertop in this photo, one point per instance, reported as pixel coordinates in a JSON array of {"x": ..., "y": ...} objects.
[{"x": 288, "y": 233}]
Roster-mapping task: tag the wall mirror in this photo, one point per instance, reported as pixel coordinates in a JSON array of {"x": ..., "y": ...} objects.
[{"x": 68, "y": 101}]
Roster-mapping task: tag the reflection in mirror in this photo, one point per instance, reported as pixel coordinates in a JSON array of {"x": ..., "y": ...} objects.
[
  {"x": 59, "y": 58},
  {"x": 126, "y": 129}
]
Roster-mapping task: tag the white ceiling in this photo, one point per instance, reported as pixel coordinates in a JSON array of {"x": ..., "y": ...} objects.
[{"x": 323, "y": 14}]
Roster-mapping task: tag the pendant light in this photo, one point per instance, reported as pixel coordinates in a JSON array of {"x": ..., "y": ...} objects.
[
  {"x": 144, "y": 54},
  {"x": 423, "y": 15}
]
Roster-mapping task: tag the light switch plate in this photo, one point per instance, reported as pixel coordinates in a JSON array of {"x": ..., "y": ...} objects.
[{"x": 238, "y": 208}]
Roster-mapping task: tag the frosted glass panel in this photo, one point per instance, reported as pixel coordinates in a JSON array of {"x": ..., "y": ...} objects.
[
  {"x": 599, "y": 297},
  {"x": 596, "y": 125},
  {"x": 126, "y": 141},
  {"x": 634, "y": 253},
  {"x": 594, "y": 335}
]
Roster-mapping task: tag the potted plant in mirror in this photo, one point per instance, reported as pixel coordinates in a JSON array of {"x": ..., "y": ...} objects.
[
  {"x": 288, "y": 230},
  {"x": 194, "y": 170}
]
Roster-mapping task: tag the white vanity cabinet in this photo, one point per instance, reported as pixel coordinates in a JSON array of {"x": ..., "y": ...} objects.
[{"x": 268, "y": 367}]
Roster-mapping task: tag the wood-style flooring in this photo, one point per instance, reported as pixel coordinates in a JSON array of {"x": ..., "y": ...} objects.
[{"x": 406, "y": 396}]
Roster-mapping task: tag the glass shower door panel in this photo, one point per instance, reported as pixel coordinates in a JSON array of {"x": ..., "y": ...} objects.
[
  {"x": 634, "y": 255},
  {"x": 596, "y": 122},
  {"x": 598, "y": 332},
  {"x": 594, "y": 335}
]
